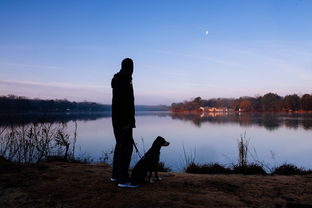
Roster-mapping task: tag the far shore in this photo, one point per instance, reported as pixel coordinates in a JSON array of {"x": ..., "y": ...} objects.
[{"x": 225, "y": 112}]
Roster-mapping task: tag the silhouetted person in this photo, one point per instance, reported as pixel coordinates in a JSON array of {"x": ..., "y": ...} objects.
[{"x": 123, "y": 122}]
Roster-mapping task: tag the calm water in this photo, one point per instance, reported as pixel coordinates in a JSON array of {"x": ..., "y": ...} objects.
[{"x": 273, "y": 138}]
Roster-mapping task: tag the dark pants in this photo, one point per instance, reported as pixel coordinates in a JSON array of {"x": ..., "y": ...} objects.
[{"x": 122, "y": 154}]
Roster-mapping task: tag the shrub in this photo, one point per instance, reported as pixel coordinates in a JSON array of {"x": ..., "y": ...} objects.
[
  {"x": 249, "y": 169},
  {"x": 192, "y": 168},
  {"x": 213, "y": 168},
  {"x": 288, "y": 169}
]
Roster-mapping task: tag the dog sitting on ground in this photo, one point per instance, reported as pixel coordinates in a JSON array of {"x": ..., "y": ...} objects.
[{"x": 148, "y": 163}]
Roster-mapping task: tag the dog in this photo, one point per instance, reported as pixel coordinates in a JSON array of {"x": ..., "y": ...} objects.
[{"x": 148, "y": 163}]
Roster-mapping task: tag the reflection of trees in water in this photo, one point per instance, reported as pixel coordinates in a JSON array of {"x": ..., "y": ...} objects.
[
  {"x": 292, "y": 123},
  {"x": 27, "y": 118},
  {"x": 19, "y": 119},
  {"x": 194, "y": 118},
  {"x": 307, "y": 125},
  {"x": 270, "y": 121}
]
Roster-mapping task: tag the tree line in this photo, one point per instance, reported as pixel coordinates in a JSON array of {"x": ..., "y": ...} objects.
[
  {"x": 20, "y": 104},
  {"x": 270, "y": 102}
]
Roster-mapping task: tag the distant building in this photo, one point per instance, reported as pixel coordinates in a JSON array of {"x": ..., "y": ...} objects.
[
  {"x": 214, "y": 110},
  {"x": 201, "y": 109},
  {"x": 217, "y": 109}
]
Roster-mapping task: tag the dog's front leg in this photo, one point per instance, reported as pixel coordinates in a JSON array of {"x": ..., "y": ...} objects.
[
  {"x": 150, "y": 180},
  {"x": 157, "y": 177}
]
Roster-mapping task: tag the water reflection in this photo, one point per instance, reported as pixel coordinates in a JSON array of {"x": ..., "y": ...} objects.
[
  {"x": 270, "y": 121},
  {"x": 213, "y": 136},
  {"x": 27, "y": 118}
]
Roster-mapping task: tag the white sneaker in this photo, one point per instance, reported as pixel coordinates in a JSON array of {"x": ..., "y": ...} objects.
[
  {"x": 133, "y": 186},
  {"x": 113, "y": 179},
  {"x": 123, "y": 185},
  {"x": 127, "y": 185}
]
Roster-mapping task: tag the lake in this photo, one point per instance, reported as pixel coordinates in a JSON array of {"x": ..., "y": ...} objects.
[{"x": 274, "y": 138}]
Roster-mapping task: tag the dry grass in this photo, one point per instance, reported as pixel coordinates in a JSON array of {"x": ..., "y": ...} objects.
[{"x": 61, "y": 184}]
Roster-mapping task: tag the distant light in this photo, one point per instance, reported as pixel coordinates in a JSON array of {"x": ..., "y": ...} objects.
[{"x": 206, "y": 32}]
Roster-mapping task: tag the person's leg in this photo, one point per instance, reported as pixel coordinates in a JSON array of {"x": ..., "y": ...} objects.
[
  {"x": 116, "y": 157},
  {"x": 126, "y": 149}
]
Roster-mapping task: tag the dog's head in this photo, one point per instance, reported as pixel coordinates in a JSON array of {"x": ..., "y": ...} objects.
[{"x": 160, "y": 141}]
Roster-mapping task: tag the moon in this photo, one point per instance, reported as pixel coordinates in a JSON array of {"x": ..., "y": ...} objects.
[{"x": 206, "y": 32}]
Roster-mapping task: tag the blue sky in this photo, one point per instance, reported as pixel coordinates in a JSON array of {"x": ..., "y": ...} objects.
[{"x": 71, "y": 48}]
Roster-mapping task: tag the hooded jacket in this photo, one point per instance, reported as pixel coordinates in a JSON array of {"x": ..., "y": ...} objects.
[{"x": 123, "y": 101}]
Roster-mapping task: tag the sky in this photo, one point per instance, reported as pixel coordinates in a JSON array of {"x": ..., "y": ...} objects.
[{"x": 70, "y": 49}]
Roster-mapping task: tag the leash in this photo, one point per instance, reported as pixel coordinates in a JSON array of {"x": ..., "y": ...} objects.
[{"x": 136, "y": 149}]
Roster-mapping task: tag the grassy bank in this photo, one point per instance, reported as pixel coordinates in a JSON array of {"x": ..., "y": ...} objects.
[{"x": 63, "y": 184}]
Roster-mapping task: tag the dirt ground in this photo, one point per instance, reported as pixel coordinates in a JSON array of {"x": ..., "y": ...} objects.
[{"x": 61, "y": 184}]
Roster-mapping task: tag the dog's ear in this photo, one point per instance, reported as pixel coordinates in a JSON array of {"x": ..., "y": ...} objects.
[{"x": 160, "y": 138}]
